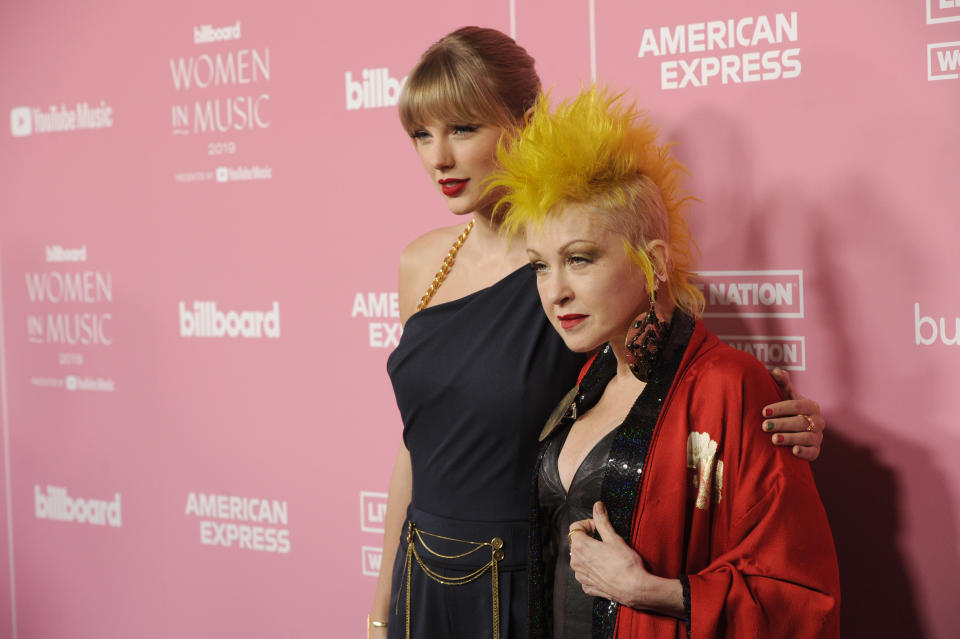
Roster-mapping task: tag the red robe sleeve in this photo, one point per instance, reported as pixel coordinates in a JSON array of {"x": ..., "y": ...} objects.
[
  {"x": 738, "y": 517},
  {"x": 771, "y": 566}
]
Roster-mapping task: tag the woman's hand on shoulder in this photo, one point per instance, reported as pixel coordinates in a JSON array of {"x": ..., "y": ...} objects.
[
  {"x": 419, "y": 263},
  {"x": 795, "y": 422}
]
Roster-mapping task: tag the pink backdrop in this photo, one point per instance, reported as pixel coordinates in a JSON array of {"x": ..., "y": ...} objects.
[{"x": 204, "y": 168}]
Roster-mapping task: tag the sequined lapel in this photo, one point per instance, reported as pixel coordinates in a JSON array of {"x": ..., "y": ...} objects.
[{"x": 623, "y": 473}]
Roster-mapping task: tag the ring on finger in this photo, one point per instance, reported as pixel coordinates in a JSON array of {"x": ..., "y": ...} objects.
[
  {"x": 811, "y": 426},
  {"x": 575, "y": 530}
]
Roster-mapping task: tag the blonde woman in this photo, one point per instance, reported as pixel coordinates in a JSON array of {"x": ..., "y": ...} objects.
[
  {"x": 478, "y": 365},
  {"x": 661, "y": 510}
]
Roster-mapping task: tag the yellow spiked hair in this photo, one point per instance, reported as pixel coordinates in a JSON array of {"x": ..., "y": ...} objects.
[{"x": 598, "y": 151}]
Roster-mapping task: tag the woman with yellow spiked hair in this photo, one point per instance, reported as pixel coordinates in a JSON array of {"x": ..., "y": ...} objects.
[{"x": 662, "y": 510}]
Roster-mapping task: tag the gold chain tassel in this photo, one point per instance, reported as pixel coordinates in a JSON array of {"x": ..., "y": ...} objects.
[
  {"x": 496, "y": 556},
  {"x": 410, "y": 550},
  {"x": 494, "y": 577}
]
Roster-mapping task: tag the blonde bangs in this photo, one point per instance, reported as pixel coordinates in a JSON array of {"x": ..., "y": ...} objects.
[{"x": 441, "y": 91}]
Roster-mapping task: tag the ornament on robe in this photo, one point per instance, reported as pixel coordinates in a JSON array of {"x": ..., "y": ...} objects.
[{"x": 707, "y": 470}]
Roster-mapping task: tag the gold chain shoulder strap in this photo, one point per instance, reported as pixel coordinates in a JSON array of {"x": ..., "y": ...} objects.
[{"x": 445, "y": 267}]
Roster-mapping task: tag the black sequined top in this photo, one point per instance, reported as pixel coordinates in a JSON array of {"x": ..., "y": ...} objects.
[
  {"x": 621, "y": 481},
  {"x": 572, "y": 607}
]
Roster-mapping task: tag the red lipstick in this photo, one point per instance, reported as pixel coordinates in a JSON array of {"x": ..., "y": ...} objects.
[
  {"x": 569, "y": 321},
  {"x": 451, "y": 187}
]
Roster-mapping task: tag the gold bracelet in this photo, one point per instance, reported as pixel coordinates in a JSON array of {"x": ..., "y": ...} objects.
[{"x": 374, "y": 624}]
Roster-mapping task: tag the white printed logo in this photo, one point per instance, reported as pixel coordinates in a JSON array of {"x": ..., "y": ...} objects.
[
  {"x": 375, "y": 89},
  {"x": 74, "y": 383},
  {"x": 373, "y": 511},
  {"x": 78, "y": 287},
  {"x": 937, "y": 328},
  {"x": 787, "y": 352},
  {"x": 57, "y": 253},
  {"x": 377, "y": 306},
  {"x": 752, "y": 293},
  {"x": 58, "y": 118},
  {"x": 723, "y": 35},
  {"x": 270, "y": 534},
  {"x": 221, "y": 114},
  {"x": 943, "y": 61},
  {"x": 206, "y": 33},
  {"x": 371, "y": 558},
  {"x": 20, "y": 122},
  {"x": 243, "y": 173},
  {"x": 206, "y": 320},
  {"x": 939, "y": 11},
  {"x": 56, "y": 505}
]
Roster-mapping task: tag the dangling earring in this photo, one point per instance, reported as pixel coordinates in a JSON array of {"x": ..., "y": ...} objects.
[{"x": 645, "y": 340}]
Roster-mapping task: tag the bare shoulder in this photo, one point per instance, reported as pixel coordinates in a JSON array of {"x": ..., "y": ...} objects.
[
  {"x": 427, "y": 251},
  {"x": 419, "y": 262}
]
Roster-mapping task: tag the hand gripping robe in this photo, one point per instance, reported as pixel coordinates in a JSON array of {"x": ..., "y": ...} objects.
[{"x": 717, "y": 506}]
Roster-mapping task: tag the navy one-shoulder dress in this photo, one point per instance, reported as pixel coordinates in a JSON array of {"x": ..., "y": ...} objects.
[{"x": 475, "y": 379}]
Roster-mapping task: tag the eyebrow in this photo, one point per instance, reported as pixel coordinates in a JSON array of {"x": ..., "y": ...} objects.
[{"x": 565, "y": 246}]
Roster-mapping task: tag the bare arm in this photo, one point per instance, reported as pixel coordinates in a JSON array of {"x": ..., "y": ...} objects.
[
  {"x": 412, "y": 272},
  {"x": 397, "y": 501}
]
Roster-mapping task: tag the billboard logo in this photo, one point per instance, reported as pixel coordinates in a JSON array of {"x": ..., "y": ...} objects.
[
  {"x": 787, "y": 352},
  {"x": 206, "y": 320},
  {"x": 21, "y": 123},
  {"x": 371, "y": 559},
  {"x": 373, "y": 511},
  {"x": 56, "y": 505},
  {"x": 943, "y": 61},
  {"x": 57, "y": 253},
  {"x": 925, "y": 325},
  {"x": 752, "y": 293},
  {"x": 375, "y": 89},
  {"x": 207, "y": 33},
  {"x": 223, "y": 174},
  {"x": 939, "y": 11}
]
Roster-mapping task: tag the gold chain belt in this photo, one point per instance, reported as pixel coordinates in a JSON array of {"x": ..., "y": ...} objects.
[{"x": 414, "y": 534}]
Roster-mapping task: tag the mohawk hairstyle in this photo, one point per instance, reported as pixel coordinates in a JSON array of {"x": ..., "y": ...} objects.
[{"x": 597, "y": 151}]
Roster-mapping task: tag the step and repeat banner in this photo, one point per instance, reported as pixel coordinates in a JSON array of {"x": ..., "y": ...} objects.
[{"x": 201, "y": 213}]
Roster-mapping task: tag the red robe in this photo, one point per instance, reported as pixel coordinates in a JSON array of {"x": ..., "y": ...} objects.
[{"x": 746, "y": 524}]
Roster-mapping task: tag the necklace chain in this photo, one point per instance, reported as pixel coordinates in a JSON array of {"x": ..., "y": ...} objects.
[{"x": 445, "y": 267}]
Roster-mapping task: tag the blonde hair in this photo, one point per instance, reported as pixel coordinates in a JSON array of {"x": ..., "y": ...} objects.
[
  {"x": 598, "y": 151},
  {"x": 473, "y": 75}
]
